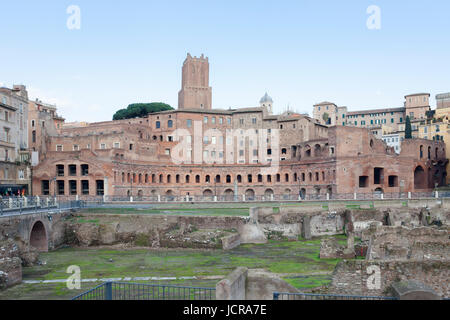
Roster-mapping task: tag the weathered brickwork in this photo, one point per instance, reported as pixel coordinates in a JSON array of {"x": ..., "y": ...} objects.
[
  {"x": 396, "y": 243},
  {"x": 10, "y": 264},
  {"x": 351, "y": 276}
]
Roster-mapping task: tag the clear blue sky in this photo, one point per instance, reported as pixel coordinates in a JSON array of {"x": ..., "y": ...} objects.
[{"x": 301, "y": 52}]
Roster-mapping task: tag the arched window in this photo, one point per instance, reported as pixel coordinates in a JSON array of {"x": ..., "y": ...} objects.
[
  {"x": 420, "y": 178},
  {"x": 307, "y": 151},
  {"x": 317, "y": 150},
  {"x": 170, "y": 124},
  {"x": 188, "y": 178}
]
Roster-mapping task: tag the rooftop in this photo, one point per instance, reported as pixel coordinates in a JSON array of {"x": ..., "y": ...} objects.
[
  {"x": 443, "y": 96},
  {"x": 376, "y": 111},
  {"x": 417, "y": 94}
]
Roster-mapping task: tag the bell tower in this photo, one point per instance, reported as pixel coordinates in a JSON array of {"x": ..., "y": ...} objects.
[{"x": 195, "y": 91}]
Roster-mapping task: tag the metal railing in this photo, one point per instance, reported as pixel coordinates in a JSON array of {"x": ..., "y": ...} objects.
[
  {"x": 311, "y": 296},
  {"x": 278, "y": 197},
  {"x": 143, "y": 291},
  {"x": 25, "y": 205}
]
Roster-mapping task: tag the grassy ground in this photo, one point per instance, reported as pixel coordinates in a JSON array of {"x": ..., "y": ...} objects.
[{"x": 298, "y": 262}]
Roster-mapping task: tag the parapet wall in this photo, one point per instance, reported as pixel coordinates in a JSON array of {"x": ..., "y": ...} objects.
[
  {"x": 233, "y": 287},
  {"x": 244, "y": 284}
]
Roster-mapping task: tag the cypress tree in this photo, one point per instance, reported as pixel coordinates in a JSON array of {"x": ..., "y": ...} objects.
[{"x": 408, "y": 130}]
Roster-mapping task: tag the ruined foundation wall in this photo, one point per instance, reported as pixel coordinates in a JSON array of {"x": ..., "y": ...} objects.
[
  {"x": 10, "y": 264},
  {"x": 155, "y": 231},
  {"x": 289, "y": 221},
  {"x": 351, "y": 276},
  {"x": 393, "y": 243}
]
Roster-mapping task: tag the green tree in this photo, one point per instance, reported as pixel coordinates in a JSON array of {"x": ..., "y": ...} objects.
[
  {"x": 408, "y": 130},
  {"x": 138, "y": 110}
]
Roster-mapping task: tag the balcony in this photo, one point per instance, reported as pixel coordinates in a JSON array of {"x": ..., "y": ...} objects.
[{"x": 7, "y": 144}]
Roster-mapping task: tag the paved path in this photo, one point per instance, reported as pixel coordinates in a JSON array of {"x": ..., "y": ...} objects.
[{"x": 125, "y": 279}]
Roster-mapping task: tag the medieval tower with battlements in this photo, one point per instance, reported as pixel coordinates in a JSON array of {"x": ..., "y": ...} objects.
[{"x": 195, "y": 91}]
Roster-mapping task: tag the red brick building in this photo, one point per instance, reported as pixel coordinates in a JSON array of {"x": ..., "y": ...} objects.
[{"x": 247, "y": 152}]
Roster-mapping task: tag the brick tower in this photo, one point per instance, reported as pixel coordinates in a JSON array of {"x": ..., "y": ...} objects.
[{"x": 195, "y": 91}]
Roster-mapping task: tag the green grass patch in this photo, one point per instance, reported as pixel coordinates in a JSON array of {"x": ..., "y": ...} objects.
[
  {"x": 285, "y": 257},
  {"x": 309, "y": 281}
]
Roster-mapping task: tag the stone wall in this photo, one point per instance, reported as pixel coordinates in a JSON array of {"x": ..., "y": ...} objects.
[
  {"x": 155, "y": 231},
  {"x": 233, "y": 286},
  {"x": 18, "y": 228},
  {"x": 327, "y": 224},
  {"x": 393, "y": 243},
  {"x": 231, "y": 242},
  {"x": 261, "y": 285},
  {"x": 289, "y": 222},
  {"x": 351, "y": 276},
  {"x": 10, "y": 264},
  {"x": 245, "y": 284}
]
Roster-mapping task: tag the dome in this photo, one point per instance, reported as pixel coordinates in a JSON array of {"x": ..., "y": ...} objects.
[{"x": 266, "y": 99}]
